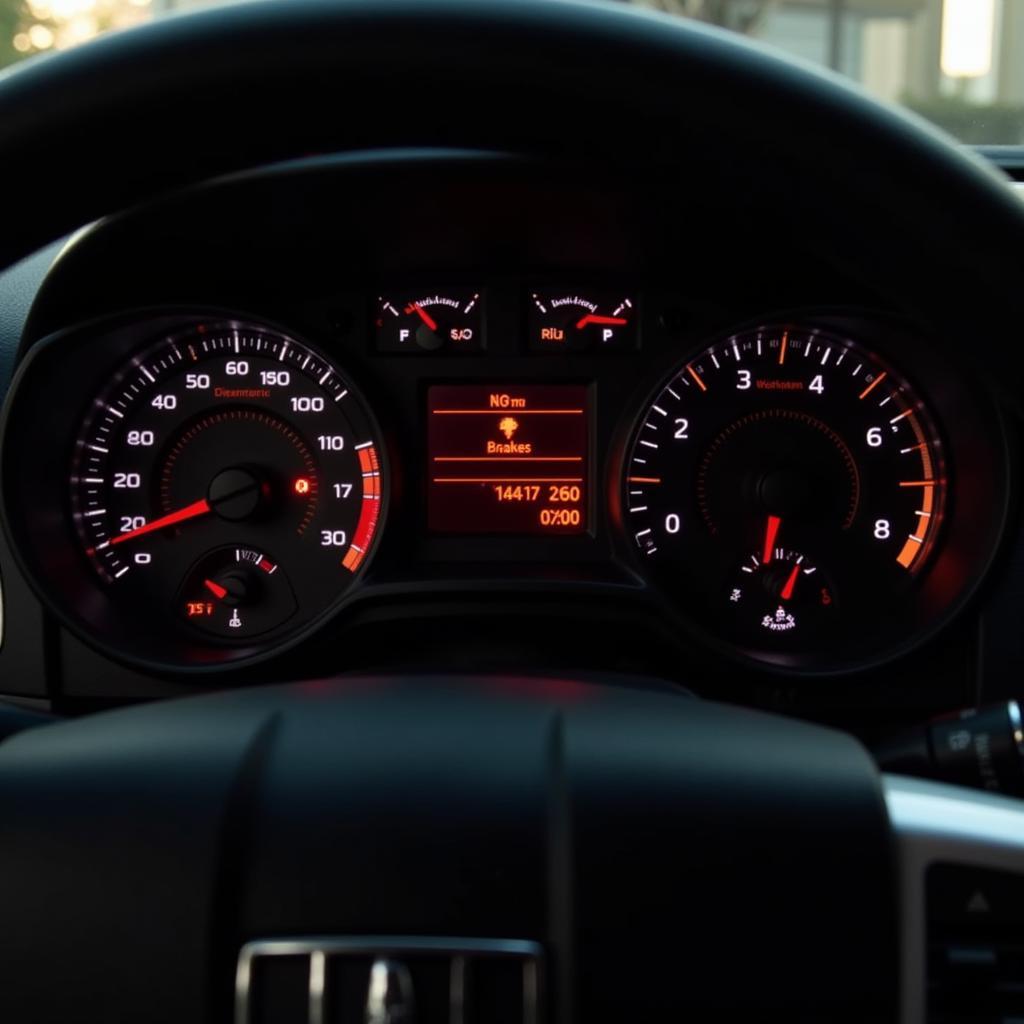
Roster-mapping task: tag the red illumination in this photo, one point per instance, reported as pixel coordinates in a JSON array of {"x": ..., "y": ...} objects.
[
  {"x": 216, "y": 589},
  {"x": 510, "y": 458},
  {"x": 197, "y": 508},
  {"x": 770, "y": 533},
  {"x": 301, "y": 485},
  {"x": 787, "y": 590},
  {"x": 593, "y": 318},
  {"x": 423, "y": 315}
]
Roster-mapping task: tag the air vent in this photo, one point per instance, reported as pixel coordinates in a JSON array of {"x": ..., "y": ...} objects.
[
  {"x": 388, "y": 980},
  {"x": 975, "y": 946}
]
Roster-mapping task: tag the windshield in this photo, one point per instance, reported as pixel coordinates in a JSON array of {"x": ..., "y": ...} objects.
[{"x": 958, "y": 63}]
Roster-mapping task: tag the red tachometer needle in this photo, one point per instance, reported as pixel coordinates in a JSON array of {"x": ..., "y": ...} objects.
[
  {"x": 216, "y": 589},
  {"x": 424, "y": 315},
  {"x": 770, "y": 533},
  {"x": 787, "y": 590},
  {"x": 197, "y": 508},
  {"x": 593, "y": 318}
]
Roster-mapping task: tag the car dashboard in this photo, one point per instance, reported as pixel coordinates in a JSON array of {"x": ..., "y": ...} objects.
[{"x": 458, "y": 412}]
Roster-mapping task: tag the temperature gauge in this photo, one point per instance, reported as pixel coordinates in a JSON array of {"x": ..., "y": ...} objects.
[
  {"x": 236, "y": 593},
  {"x": 429, "y": 321},
  {"x": 779, "y": 593},
  {"x": 568, "y": 320}
]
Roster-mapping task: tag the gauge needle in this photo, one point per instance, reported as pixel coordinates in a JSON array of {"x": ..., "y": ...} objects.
[
  {"x": 787, "y": 590},
  {"x": 770, "y": 533},
  {"x": 216, "y": 589},
  {"x": 197, "y": 508},
  {"x": 593, "y": 318},
  {"x": 424, "y": 316}
]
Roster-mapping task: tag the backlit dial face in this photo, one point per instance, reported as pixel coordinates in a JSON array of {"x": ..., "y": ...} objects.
[
  {"x": 578, "y": 320},
  {"x": 227, "y": 485},
  {"x": 426, "y": 321},
  {"x": 787, "y": 488}
]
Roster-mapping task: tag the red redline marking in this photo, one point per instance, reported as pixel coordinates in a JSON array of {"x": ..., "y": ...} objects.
[{"x": 874, "y": 384}]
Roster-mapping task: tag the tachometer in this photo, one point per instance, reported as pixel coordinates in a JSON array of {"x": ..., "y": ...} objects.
[
  {"x": 787, "y": 487},
  {"x": 227, "y": 487}
]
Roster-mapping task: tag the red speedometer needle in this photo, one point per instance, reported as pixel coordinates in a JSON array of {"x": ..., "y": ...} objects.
[
  {"x": 770, "y": 533},
  {"x": 787, "y": 590},
  {"x": 216, "y": 589},
  {"x": 424, "y": 315},
  {"x": 197, "y": 508},
  {"x": 593, "y": 318}
]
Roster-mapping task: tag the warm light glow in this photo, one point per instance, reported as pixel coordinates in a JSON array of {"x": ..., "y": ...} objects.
[
  {"x": 61, "y": 24},
  {"x": 40, "y": 37},
  {"x": 967, "y": 37},
  {"x": 301, "y": 485},
  {"x": 78, "y": 30}
]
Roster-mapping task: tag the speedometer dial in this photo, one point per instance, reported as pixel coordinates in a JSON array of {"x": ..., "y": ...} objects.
[
  {"x": 787, "y": 488},
  {"x": 227, "y": 487}
]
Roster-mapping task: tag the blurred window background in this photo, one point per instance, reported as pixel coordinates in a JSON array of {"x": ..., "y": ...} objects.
[{"x": 959, "y": 63}]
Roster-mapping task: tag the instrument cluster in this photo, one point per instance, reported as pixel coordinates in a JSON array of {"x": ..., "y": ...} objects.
[{"x": 192, "y": 489}]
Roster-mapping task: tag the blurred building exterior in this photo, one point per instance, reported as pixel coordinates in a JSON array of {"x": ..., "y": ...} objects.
[{"x": 894, "y": 48}]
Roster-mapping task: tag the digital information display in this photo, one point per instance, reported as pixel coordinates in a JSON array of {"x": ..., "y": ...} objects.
[{"x": 508, "y": 459}]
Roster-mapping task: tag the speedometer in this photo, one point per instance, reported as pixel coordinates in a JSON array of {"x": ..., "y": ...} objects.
[
  {"x": 787, "y": 487},
  {"x": 227, "y": 487}
]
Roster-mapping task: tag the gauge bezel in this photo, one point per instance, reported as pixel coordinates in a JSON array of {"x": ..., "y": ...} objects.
[
  {"x": 72, "y": 367},
  {"x": 967, "y": 542}
]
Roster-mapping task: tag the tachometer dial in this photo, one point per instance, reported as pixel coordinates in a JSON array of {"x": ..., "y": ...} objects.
[
  {"x": 228, "y": 486},
  {"x": 787, "y": 488}
]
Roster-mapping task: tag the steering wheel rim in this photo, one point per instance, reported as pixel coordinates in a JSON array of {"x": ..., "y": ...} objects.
[{"x": 171, "y": 104}]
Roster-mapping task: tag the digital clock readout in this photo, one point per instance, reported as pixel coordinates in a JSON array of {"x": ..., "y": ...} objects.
[{"x": 508, "y": 459}]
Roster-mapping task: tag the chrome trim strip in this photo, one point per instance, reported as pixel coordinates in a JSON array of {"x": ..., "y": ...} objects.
[
  {"x": 317, "y": 985},
  {"x": 1016, "y": 723},
  {"x": 318, "y": 949},
  {"x": 934, "y": 822}
]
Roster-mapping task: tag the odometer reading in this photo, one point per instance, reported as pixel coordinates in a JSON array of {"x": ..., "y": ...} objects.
[
  {"x": 787, "y": 487},
  {"x": 508, "y": 458},
  {"x": 229, "y": 481}
]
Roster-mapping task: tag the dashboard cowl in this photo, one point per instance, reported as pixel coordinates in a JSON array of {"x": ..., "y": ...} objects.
[{"x": 668, "y": 854}]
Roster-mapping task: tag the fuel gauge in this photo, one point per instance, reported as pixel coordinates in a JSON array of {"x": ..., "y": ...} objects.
[{"x": 430, "y": 321}]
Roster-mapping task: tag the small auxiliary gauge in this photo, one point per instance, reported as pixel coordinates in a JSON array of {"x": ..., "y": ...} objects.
[
  {"x": 449, "y": 319},
  {"x": 577, "y": 320}
]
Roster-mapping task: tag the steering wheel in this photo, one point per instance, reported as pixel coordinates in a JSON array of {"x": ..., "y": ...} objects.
[{"x": 467, "y": 849}]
